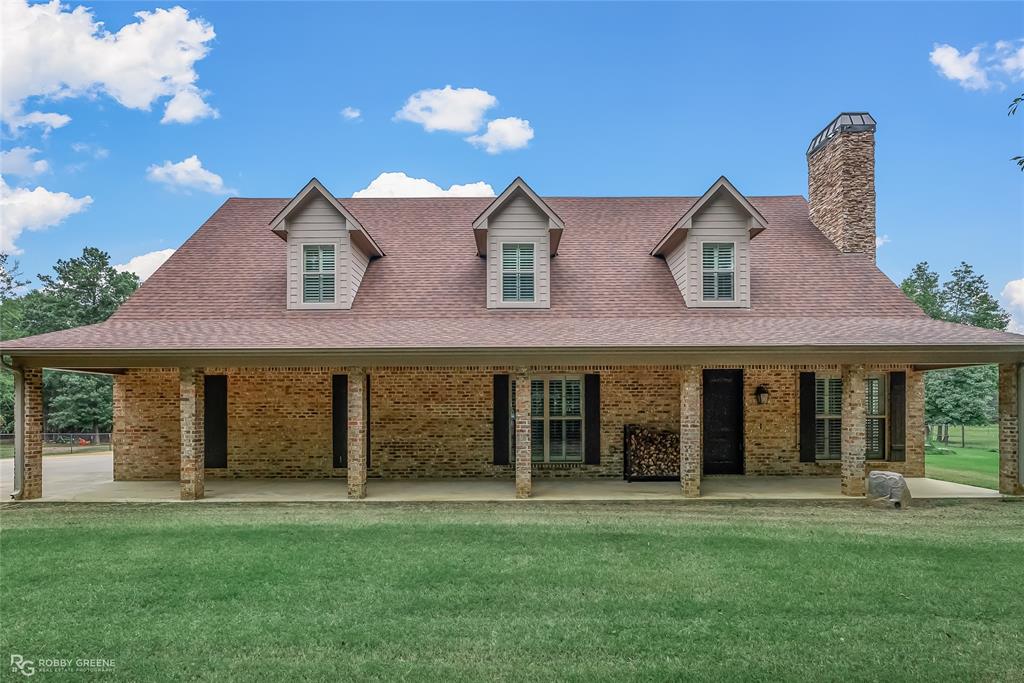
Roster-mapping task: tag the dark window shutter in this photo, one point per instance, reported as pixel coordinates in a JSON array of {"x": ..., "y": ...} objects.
[
  {"x": 807, "y": 416},
  {"x": 898, "y": 416},
  {"x": 215, "y": 421},
  {"x": 366, "y": 421},
  {"x": 502, "y": 420},
  {"x": 339, "y": 420},
  {"x": 592, "y": 419}
]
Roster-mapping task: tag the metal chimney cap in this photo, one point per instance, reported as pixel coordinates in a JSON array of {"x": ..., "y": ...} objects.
[{"x": 847, "y": 122}]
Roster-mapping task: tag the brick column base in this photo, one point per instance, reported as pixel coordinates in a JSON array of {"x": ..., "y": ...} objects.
[
  {"x": 691, "y": 458},
  {"x": 31, "y": 419},
  {"x": 1009, "y": 430},
  {"x": 524, "y": 463},
  {"x": 193, "y": 472},
  {"x": 357, "y": 434},
  {"x": 854, "y": 435}
]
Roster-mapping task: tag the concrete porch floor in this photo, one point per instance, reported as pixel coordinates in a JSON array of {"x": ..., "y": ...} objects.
[{"x": 87, "y": 478}]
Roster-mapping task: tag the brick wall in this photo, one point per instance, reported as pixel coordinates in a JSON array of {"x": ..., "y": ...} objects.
[{"x": 428, "y": 422}]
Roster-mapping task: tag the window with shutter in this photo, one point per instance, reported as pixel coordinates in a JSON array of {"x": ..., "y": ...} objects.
[
  {"x": 518, "y": 272},
  {"x": 875, "y": 405},
  {"x": 828, "y": 423},
  {"x": 318, "y": 273},
  {"x": 556, "y": 420},
  {"x": 718, "y": 271}
]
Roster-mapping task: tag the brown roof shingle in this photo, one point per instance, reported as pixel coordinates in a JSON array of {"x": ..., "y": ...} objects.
[{"x": 225, "y": 287}]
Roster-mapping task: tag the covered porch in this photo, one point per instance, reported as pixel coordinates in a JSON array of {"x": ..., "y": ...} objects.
[{"x": 88, "y": 479}]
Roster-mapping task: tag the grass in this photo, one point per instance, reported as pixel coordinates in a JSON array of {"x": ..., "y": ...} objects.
[
  {"x": 518, "y": 592},
  {"x": 7, "y": 450},
  {"x": 977, "y": 464}
]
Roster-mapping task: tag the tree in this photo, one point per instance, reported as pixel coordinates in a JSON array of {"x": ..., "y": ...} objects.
[
  {"x": 965, "y": 299},
  {"x": 1017, "y": 101},
  {"x": 81, "y": 291},
  {"x": 10, "y": 272},
  {"x": 922, "y": 285},
  {"x": 958, "y": 396}
]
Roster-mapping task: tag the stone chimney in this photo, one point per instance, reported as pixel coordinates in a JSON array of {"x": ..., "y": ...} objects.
[{"x": 841, "y": 182}]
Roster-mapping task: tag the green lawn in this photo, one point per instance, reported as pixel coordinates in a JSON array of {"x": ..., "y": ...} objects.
[
  {"x": 977, "y": 464},
  {"x": 518, "y": 592}
]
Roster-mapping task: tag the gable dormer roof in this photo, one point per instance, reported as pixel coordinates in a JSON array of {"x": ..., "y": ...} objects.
[
  {"x": 517, "y": 186},
  {"x": 677, "y": 233},
  {"x": 356, "y": 231}
]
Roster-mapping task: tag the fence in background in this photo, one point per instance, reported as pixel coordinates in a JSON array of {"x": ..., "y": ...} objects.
[{"x": 63, "y": 444}]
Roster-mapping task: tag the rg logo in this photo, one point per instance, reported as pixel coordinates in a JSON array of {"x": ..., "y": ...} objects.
[{"x": 21, "y": 665}]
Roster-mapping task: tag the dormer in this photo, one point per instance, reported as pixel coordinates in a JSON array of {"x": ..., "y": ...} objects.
[
  {"x": 708, "y": 248},
  {"x": 518, "y": 234},
  {"x": 328, "y": 250}
]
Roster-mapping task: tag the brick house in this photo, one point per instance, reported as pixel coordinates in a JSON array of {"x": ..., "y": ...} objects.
[{"x": 518, "y": 337}]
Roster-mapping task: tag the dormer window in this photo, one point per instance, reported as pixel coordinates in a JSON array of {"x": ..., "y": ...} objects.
[
  {"x": 718, "y": 273},
  {"x": 517, "y": 272},
  {"x": 318, "y": 273}
]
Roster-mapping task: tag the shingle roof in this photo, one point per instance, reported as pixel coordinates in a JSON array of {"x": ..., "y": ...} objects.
[{"x": 225, "y": 288}]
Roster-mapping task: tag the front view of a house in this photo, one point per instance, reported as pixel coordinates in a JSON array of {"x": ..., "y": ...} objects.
[{"x": 526, "y": 337}]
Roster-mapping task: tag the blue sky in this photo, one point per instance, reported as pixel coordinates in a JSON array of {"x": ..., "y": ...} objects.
[{"x": 621, "y": 99}]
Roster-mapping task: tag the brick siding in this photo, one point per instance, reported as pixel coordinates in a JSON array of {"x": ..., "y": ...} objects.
[{"x": 432, "y": 422}]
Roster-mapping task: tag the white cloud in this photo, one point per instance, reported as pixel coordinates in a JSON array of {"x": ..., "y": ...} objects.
[
  {"x": 52, "y": 52},
  {"x": 145, "y": 264},
  {"x": 23, "y": 209},
  {"x": 963, "y": 68},
  {"x": 1013, "y": 296},
  {"x": 351, "y": 113},
  {"x": 18, "y": 161},
  {"x": 1010, "y": 60},
  {"x": 188, "y": 106},
  {"x": 401, "y": 185},
  {"x": 503, "y": 134},
  {"x": 460, "y": 110},
  {"x": 96, "y": 151},
  {"x": 881, "y": 241},
  {"x": 188, "y": 174}
]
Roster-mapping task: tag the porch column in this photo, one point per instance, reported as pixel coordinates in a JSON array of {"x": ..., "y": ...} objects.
[
  {"x": 28, "y": 433},
  {"x": 854, "y": 434},
  {"x": 524, "y": 463},
  {"x": 193, "y": 472},
  {"x": 357, "y": 433},
  {"x": 1011, "y": 413},
  {"x": 690, "y": 453}
]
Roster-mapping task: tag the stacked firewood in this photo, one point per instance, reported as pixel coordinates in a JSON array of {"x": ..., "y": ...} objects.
[{"x": 651, "y": 453}]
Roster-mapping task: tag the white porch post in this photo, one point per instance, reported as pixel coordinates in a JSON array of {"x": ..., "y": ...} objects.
[
  {"x": 854, "y": 434},
  {"x": 193, "y": 470},
  {"x": 524, "y": 464},
  {"x": 691, "y": 459},
  {"x": 1011, "y": 413},
  {"x": 357, "y": 433}
]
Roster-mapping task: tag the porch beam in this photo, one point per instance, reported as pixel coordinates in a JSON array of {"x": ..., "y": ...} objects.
[
  {"x": 357, "y": 433},
  {"x": 1011, "y": 414},
  {"x": 524, "y": 423},
  {"x": 691, "y": 459},
  {"x": 193, "y": 470},
  {"x": 854, "y": 431}
]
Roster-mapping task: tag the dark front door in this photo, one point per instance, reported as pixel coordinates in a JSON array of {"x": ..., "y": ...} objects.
[{"x": 723, "y": 422}]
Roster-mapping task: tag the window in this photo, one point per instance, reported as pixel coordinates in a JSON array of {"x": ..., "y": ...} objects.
[
  {"x": 556, "y": 420},
  {"x": 876, "y": 407},
  {"x": 517, "y": 272},
  {"x": 828, "y": 423},
  {"x": 317, "y": 273},
  {"x": 718, "y": 271}
]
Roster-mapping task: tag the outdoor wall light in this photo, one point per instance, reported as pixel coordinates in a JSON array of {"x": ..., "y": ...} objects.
[{"x": 761, "y": 394}]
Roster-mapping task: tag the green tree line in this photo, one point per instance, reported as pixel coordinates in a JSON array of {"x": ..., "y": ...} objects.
[
  {"x": 967, "y": 396},
  {"x": 80, "y": 291}
]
